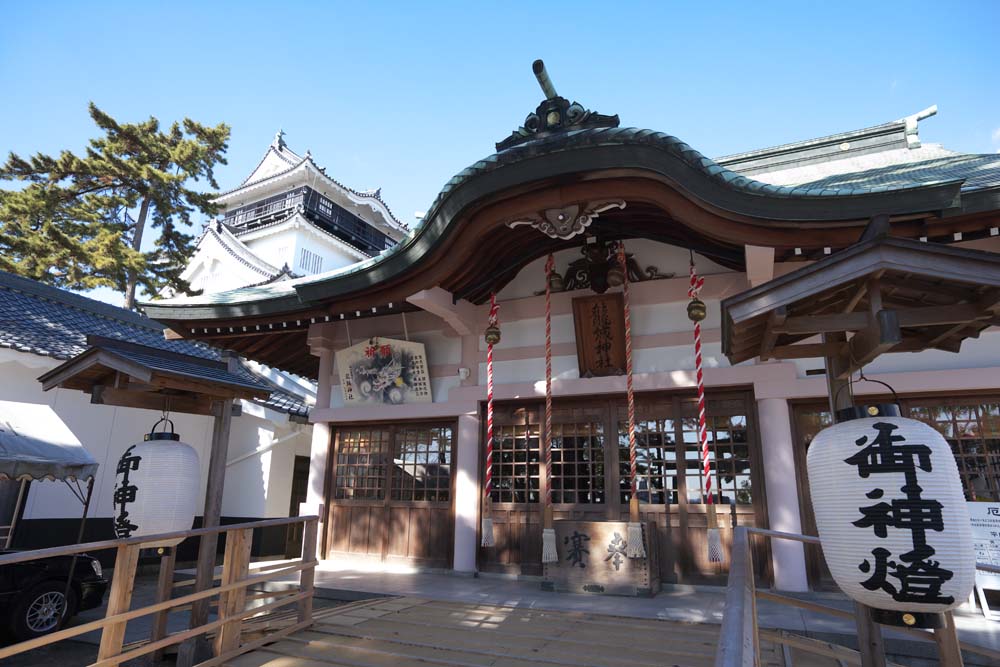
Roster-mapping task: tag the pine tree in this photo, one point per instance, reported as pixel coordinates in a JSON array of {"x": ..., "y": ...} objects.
[{"x": 72, "y": 223}]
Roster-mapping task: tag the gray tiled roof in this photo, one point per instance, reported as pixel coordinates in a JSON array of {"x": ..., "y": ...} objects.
[
  {"x": 977, "y": 171},
  {"x": 50, "y": 322}
]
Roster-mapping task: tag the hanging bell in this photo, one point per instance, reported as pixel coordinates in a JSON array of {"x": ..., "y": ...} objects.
[
  {"x": 556, "y": 282},
  {"x": 697, "y": 310},
  {"x": 492, "y": 335}
]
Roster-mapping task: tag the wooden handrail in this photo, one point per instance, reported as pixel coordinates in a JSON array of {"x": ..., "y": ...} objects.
[
  {"x": 232, "y": 592},
  {"x": 795, "y": 537},
  {"x": 71, "y": 549},
  {"x": 741, "y": 594},
  {"x": 738, "y": 636}
]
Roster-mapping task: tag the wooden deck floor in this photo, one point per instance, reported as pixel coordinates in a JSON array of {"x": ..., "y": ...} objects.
[{"x": 411, "y": 631}]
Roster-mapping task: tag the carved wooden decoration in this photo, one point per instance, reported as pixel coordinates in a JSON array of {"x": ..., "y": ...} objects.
[
  {"x": 569, "y": 221},
  {"x": 600, "y": 334}
]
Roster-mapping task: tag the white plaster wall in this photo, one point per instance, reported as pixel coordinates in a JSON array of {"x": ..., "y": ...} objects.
[
  {"x": 215, "y": 270},
  {"x": 333, "y": 256},
  {"x": 275, "y": 249},
  {"x": 106, "y": 432}
]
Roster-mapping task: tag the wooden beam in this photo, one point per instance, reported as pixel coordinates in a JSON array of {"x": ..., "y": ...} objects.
[
  {"x": 806, "y": 351},
  {"x": 986, "y": 306},
  {"x": 817, "y": 324},
  {"x": 104, "y": 395},
  {"x": 926, "y": 316},
  {"x": 460, "y": 316},
  {"x": 866, "y": 345},
  {"x": 775, "y": 318},
  {"x": 218, "y": 390}
]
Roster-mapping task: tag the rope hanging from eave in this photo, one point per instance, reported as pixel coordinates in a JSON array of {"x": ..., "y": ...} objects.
[
  {"x": 696, "y": 314},
  {"x": 492, "y": 337},
  {"x": 634, "y": 547},
  {"x": 549, "y": 549}
]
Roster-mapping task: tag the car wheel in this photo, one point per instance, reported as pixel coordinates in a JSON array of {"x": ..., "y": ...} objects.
[{"x": 41, "y": 609}]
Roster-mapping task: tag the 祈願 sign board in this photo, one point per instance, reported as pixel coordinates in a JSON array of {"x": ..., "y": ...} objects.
[
  {"x": 385, "y": 371},
  {"x": 985, "y": 518}
]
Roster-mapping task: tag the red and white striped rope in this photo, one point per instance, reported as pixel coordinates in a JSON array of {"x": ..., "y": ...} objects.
[
  {"x": 547, "y": 440},
  {"x": 494, "y": 321},
  {"x": 630, "y": 395},
  {"x": 695, "y": 288}
]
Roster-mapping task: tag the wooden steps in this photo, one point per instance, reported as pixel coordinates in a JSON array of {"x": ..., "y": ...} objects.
[{"x": 391, "y": 632}]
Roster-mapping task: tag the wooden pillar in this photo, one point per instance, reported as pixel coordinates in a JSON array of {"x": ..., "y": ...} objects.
[
  {"x": 119, "y": 600},
  {"x": 196, "y": 649},
  {"x": 164, "y": 591},
  {"x": 949, "y": 648},
  {"x": 307, "y": 577},
  {"x": 870, "y": 644},
  {"x": 235, "y": 567}
]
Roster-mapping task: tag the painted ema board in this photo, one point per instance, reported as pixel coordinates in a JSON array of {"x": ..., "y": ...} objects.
[
  {"x": 985, "y": 518},
  {"x": 384, "y": 371}
]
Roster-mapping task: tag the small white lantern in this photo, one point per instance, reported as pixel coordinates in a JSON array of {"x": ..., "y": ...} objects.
[
  {"x": 891, "y": 515},
  {"x": 156, "y": 488}
]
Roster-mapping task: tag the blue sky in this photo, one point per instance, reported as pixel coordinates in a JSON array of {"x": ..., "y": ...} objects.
[{"x": 403, "y": 95}]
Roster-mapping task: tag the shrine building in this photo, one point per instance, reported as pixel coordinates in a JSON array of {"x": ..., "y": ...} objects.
[{"x": 391, "y": 326}]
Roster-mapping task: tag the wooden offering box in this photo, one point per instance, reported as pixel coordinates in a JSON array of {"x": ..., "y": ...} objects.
[{"x": 592, "y": 560}]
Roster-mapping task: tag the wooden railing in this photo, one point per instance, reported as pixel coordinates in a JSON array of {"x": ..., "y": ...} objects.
[
  {"x": 235, "y": 579},
  {"x": 739, "y": 640}
]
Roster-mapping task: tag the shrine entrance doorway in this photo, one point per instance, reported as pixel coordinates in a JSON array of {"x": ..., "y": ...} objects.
[
  {"x": 590, "y": 476},
  {"x": 390, "y": 492}
]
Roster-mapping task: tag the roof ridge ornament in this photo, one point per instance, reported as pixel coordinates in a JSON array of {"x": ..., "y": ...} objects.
[
  {"x": 279, "y": 139},
  {"x": 554, "y": 114}
]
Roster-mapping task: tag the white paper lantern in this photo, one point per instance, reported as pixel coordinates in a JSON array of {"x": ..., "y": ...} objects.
[
  {"x": 891, "y": 515},
  {"x": 156, "y": 489}
]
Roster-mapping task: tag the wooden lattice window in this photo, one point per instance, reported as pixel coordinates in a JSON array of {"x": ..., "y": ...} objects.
[
  {"x": 360, "y": 469},
  {"x": 578, "y": 463},
  {"x": 515, "y": 464},
  {"x": 729, "y": 460},
  {"x": 656, "y": 462},
  {"x": 973, "y": 431},
  {"x": 422, "y": 464},
  {"x": 971, "y": 426}
]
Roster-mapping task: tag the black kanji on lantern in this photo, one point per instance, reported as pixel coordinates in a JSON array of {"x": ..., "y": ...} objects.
[
  {"x": 125, "y": 493},
  {"x": 920, "y": 579},
  {"x": 577, "y": 551}
]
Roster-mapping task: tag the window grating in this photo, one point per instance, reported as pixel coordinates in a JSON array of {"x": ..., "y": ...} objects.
[
  {"x": 361, "y": 464},
  {"x": 515, "y": 464},
  {"x": 422, "y": 464},
  {"x": 729, "y": 460},
  {"x": 578, "y": 463},
  {"x": 656, "y": 462}
]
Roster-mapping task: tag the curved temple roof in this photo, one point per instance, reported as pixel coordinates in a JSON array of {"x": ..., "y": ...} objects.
[{"x": 664, "y": 177}]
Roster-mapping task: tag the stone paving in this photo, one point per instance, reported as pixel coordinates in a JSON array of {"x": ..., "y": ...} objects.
[{"x": 356, "y": 580}]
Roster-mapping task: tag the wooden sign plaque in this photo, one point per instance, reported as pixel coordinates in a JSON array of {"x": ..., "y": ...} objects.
[{"x": 600, "y": 334}]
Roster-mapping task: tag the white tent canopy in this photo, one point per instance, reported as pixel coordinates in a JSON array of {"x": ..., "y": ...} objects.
[{"x": 35, "y": 444}]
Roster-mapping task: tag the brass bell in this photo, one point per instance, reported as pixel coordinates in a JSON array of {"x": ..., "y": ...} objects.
[
  {"x": 697, "y": 310},
  {"x": 492, "y": 335},
  {"x": 556, "y": 282}
]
